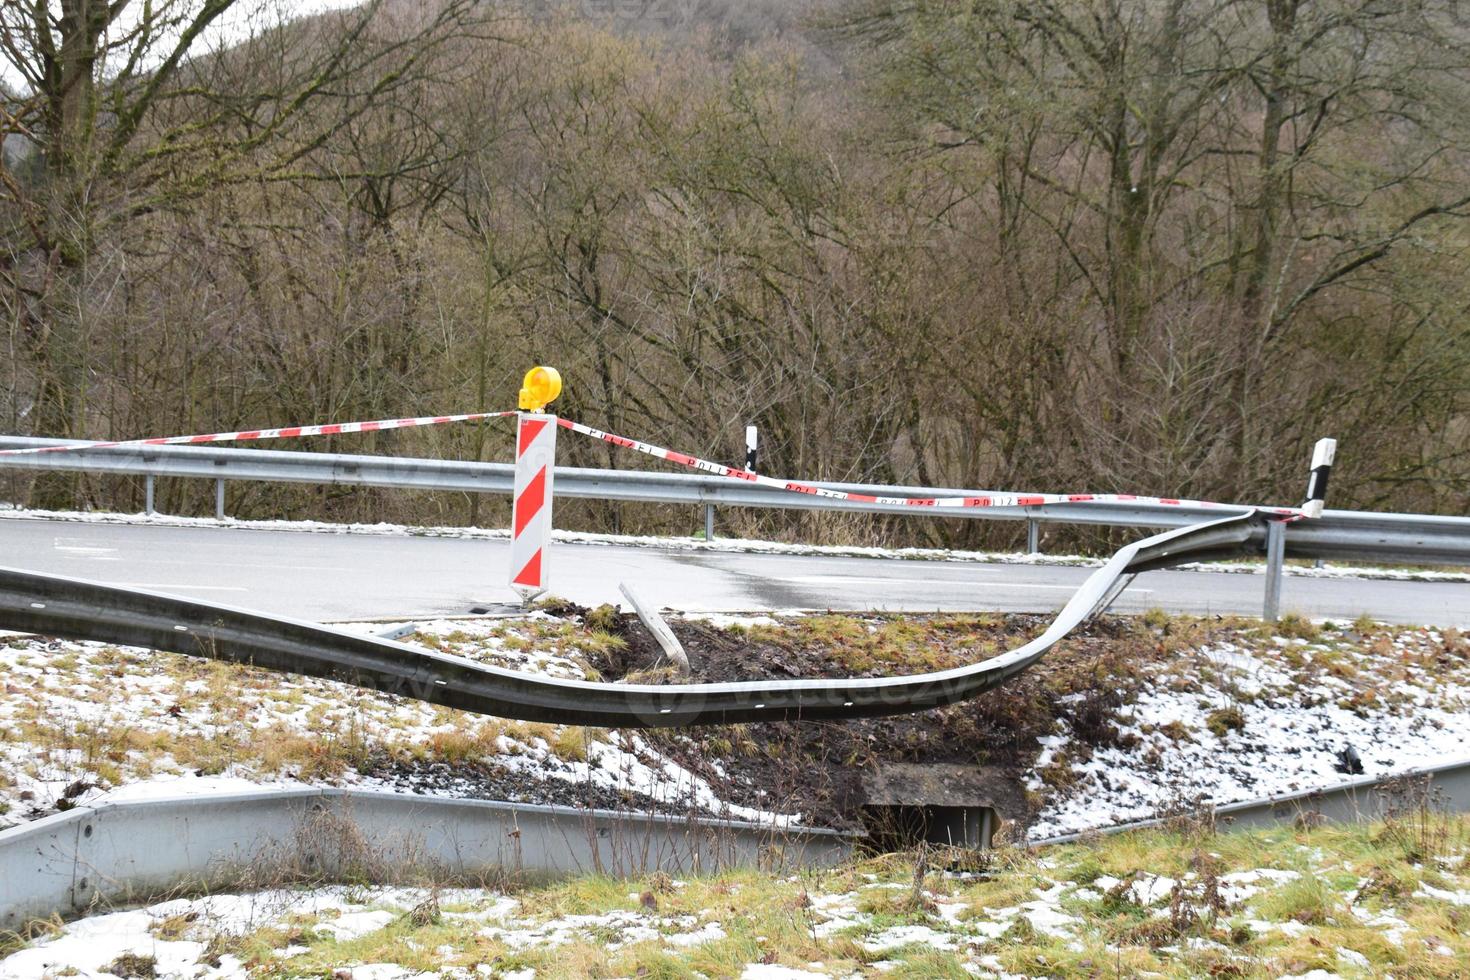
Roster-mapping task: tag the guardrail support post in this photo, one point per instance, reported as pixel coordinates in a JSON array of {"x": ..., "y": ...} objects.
[
  {"x": 148, "y": 494},
  {"x": 1275, "y": 560},
  {"x": 1033, "y": 537},
  {"x": 709, "y": 522},
  {"x": 219, "y": 500}
]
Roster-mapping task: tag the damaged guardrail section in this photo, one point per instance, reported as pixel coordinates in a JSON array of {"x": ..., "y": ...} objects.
[
  {"x": 117, "y": 853},
  {"x": 53, "y": 605}
]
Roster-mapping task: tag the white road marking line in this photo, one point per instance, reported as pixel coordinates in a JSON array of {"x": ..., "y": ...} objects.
[
  {"x": 198, "y": 588},
  {"x": 82, "y": 548}
]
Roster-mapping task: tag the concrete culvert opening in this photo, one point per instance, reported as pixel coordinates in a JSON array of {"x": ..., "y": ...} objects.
[
  {"x": 908, "y": 804},
  {"x": 901, "y": 827}
]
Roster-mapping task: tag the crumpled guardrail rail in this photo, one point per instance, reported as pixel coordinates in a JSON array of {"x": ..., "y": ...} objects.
[
  {"x": 75, "y": 609},
  {"x": 1337, "y": 535}
]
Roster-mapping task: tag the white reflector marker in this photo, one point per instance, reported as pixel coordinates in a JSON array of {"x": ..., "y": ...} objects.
[
  {"x": 752, "y": 444},
  {"x": 530, "y": 521},
  {"x": 1322, "y": 458}
]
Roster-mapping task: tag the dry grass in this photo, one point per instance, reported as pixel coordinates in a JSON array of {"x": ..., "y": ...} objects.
[
  {"x": 101, "y": 716},
  {"x": 1340, "y": 893}
]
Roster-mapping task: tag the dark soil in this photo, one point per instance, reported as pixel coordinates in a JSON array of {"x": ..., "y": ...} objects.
[
  {"x": 817, "y": 768},
  {"x": 491, "y": 782}
]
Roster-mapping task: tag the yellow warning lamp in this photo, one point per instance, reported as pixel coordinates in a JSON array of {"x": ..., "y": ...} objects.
[{"x": 540, "y": 388}]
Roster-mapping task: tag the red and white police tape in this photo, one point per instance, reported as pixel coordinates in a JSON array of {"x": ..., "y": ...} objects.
[
  {"x": 693, "y": 462},
  {"x": 988, "y": 500},
  {"x": 535, "y": 471},
  {"x": 252, "y": 435}
]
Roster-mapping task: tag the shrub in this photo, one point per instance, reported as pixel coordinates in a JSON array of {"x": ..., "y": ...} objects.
[
  {"x": 1298, "y": 627},
  {"x": 1224, "y": 720}
]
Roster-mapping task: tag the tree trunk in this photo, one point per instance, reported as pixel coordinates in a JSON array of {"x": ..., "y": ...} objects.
[
  {"x": 61, "y": 349},
  {"x": 1254, "y": 306}
]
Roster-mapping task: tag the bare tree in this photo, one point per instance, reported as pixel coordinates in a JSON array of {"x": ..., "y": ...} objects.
[{"x": 131, "y": 112}]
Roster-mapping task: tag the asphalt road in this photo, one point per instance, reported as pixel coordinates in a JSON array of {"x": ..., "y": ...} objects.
[{"x": 325, "y": 576}]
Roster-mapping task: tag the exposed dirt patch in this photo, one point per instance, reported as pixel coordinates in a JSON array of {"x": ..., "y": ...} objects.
[
  {"x": 817, "y": 768},
  {"x": 512, "y": 785}
]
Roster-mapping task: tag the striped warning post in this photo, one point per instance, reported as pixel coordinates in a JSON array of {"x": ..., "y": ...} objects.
[
  {"x": 1323, "y": 455},
  {"x": 531, "y": 507}
]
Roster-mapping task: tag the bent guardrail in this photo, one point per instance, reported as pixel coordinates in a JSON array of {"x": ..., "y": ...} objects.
[{"x": 75, "y": 609}]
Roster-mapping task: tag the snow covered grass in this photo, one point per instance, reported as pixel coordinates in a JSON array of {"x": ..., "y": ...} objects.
[
  {"x": 86, "y": 722},
  {"x": 1389, "y": 900},
  {"x": 1226, "y": 715},
  {"x": 1143, "y": 719}
]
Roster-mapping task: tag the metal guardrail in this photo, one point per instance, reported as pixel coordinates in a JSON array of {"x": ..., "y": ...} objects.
[
  {"x": 53, "y": 605},
  {"x": 1338, "y": 535},
  {"x": 1444, "y": 786},
  {"x": 111, "y": 854}
]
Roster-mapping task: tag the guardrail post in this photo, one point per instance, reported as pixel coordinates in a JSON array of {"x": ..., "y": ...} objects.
[
  {"x": 1275, "y": 560},
  {"x": 148, "y": 494},
  {"x": 709, "y": 522},
  {"x": 219, "y": 500},
  {"x": 1033, "y": 537}
]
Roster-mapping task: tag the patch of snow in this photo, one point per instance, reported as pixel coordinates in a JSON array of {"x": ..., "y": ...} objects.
[
  {"x": 384, "y": 971},
  {"x": 166, "y": 699},
  {"x": 707, "y": 933},
  {"x": 1393, "y": 928},
  {"x": 1146, "y": 890},
  {"x": 1457, "y": 897},
  {"x": 1371, "y": 572},
  {"x": 355, "y": 924},
  {"x": 898, "y": 936},
  {"x": 1240, "y": 886},
  {"x": 89, "y": 945},
  {"x": 1301, "y": 703},
  {"x": 1291, "y": 927},
  {"x": 724, "y": 621}
]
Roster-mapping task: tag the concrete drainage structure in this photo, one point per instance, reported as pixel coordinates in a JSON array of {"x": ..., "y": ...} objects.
[{"x": 946, "y": 804}]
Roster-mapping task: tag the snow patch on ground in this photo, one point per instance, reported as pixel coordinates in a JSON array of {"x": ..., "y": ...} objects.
[
  {"x": 297, "y": 932},
  {"x": 84, "y": 723},
  {"x": 1401, "y": 700}
]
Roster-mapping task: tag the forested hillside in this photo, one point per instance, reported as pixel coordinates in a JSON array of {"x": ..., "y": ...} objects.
[{"x": 1113, "y": 245}]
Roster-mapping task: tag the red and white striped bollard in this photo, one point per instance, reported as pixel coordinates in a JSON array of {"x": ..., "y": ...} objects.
[{"x": 530, "y": 527}]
